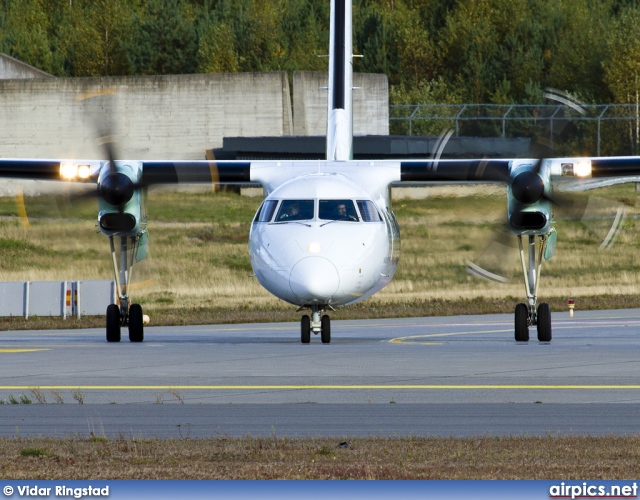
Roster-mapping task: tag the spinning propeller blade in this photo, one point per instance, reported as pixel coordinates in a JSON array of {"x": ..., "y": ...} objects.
[{"x": 528, "y": 187}]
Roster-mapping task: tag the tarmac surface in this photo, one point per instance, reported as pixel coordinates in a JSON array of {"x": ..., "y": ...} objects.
[{"x": 445, "y": 376}]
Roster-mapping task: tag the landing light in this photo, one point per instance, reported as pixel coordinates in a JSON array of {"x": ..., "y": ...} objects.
[
  {"x": 84, "y": 171},
  {"x": 68, "y": 171},
  {"x": 314, "y": 247},
  {"x": 582, "y": 168}
]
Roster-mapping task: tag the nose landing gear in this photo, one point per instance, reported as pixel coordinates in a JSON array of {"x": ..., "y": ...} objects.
[
  {"x": 318, "y": 323},
  {"x": 527, "y": 315},
  {"x": 124, "y": 314}
]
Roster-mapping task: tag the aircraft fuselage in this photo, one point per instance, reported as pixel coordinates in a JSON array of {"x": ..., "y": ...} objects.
[{"x": 321, "y": 239}]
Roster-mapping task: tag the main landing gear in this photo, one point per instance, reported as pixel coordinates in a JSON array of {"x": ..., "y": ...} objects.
[
  {"x": 124, "y": 314},
  {"x": 318, "y": 323},
  {"x": 527, "y": 315}
]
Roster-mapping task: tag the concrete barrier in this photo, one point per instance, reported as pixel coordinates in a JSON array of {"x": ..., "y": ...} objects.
[
  {"x": 11, "y": 68},
  {"x": 157, "y": 117},
  {"x": 56, "y": 298},
  {"x": 172, "y": 116}
]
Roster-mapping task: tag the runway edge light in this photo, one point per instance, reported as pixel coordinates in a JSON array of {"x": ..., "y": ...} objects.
[{"x": 572, "y": 305}]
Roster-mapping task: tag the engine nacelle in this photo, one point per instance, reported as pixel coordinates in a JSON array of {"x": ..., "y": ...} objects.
[
  {"x": 121, "y": 205},
  {"x": 530, "y": 220},
  {"x": 529, "y": 211}
]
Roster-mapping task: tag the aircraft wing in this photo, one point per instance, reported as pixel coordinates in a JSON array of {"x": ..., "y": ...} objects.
[
  {"x": 622, "y": 169},
  {"x": 435, "y": 171},
  {"x": 153, "y": 172},
  {"x": 41, "y": 170},
  {"x": 216, "y": 172},
  {"x": 608, "y": 169}
]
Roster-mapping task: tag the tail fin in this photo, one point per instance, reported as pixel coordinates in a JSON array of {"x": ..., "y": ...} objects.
[{"x": 340, "y": 106}]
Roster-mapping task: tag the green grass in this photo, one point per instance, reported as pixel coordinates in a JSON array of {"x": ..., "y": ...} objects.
[
  {"x": 34, "y": 452},
  {"x": 511, "y": 457},
  {"x": 199, "y": 266}
]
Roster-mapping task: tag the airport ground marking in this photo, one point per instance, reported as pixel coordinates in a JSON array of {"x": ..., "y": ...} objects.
[
  {"x": 322, "y": 387},
  {"x": 21, "y": 350},
  {"x": 413, "y": 339}
]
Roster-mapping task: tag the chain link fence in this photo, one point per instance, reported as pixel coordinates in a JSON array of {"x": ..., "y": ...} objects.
[{"x": 601, "y": 130}]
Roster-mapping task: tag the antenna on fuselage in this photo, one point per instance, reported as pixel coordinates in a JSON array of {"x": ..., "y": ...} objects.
[{"x": 340, "y": 102}]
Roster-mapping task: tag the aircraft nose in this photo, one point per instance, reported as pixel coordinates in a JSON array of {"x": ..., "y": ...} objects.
[{"x": 314, "y": 279}]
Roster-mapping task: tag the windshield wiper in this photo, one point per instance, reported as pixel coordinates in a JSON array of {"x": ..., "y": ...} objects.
[
  {"x": 290, "y": 222},
  {"x": 349, "y": 218}
]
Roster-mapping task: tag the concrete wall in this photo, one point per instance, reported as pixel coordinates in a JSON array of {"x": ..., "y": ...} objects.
[
  {"x": 159, "y": 117},
  {"x": 11, "y": 68},
  {"x": 370, "y": 103},
  {"x": 172, "y": 117}
]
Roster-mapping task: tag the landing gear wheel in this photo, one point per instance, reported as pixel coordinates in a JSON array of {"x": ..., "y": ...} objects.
[
  {"x": 305, "y": 329},
  {"x": 325, "y": 326},
  {"x": 136, "y": 330},
  {"x": 113, "y": 323},
  {"x": 544, "y": 323},
  {"x": 521, "y": 323}
]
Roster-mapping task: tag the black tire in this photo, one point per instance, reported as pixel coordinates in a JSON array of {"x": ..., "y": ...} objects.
[
  {"x": 544, "y": 323},
  {"x": 136, "y": 327},
  {"x": 325, "y": 326},
  {"x": 305, "y": 329},
  {"x": 521, "y": 326},
  {"x": 113, "y": 323}
]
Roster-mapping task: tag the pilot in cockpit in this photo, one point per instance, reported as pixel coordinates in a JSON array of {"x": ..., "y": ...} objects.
[{"x": 293, "y": 212}]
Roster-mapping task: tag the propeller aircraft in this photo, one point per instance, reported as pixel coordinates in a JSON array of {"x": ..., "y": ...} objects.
[{"x": 325, "y": 235}]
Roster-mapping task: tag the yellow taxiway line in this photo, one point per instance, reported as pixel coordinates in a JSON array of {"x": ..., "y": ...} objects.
[
  {"x": 23, "y": 350},
  {"x": 316, "y": 387}
]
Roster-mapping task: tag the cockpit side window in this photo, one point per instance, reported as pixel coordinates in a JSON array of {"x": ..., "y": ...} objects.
[
  {"x": 265, "y": 214},
  {"x": 291, "y": 210},
  {"x": 338, "y": 210},
  {"x": 368, "y": 211}
]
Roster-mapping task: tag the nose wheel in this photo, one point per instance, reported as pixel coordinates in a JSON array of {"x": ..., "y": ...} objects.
[
  {"x": 527, "y": 315},
  {"x": 117, "y": 317},
  {"x": 318, "y": 324},
  {"x": 522, "y": 323},
  {"x": 124, "y": 314},
  {"x": 305, "y": 329}
]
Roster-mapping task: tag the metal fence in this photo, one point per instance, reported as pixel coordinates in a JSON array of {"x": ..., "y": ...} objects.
[{"x": 612, "y": 127}]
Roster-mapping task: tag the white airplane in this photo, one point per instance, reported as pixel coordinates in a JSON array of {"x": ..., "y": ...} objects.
[{"x": 325, "y": 235}]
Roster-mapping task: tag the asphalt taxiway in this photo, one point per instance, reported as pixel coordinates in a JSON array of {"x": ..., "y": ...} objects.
[{"x": 462, "y": 375}]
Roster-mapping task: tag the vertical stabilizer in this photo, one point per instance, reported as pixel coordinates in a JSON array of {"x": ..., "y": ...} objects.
[{"x": 340, "y": 106}]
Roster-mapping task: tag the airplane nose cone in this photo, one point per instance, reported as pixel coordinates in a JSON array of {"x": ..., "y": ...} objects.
[{"x": 314, "y": 279}]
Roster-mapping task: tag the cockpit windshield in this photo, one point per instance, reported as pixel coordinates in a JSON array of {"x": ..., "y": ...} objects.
[
  {"x": 292, "y": 210},
  {"x": 338, "y": 210},
  {"x": 265, "y": 212},
  {"x": 368, "y": 211}
]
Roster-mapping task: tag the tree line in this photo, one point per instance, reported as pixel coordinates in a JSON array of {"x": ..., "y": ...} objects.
[{"x": 433, "y": 51}]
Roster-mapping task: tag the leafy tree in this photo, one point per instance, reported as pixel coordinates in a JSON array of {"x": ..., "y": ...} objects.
[
  {"x": 418, "y": 52},
  {"x": 27, "y": 37},
  {"x": 575, "y": 59},
  {"x": 305, "y": 35},
  {"x": 101, "y": 37},
  {"x": 165, "y": 41},
  {"x": 470, "y": 44},
  {"x": 499, "y": 51},
  {"x": 252, "y": 35},
  {"x": 375, "y": 40},
  {"x": 217, "y": 53},
  {"x": 622, "y": 66}
]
